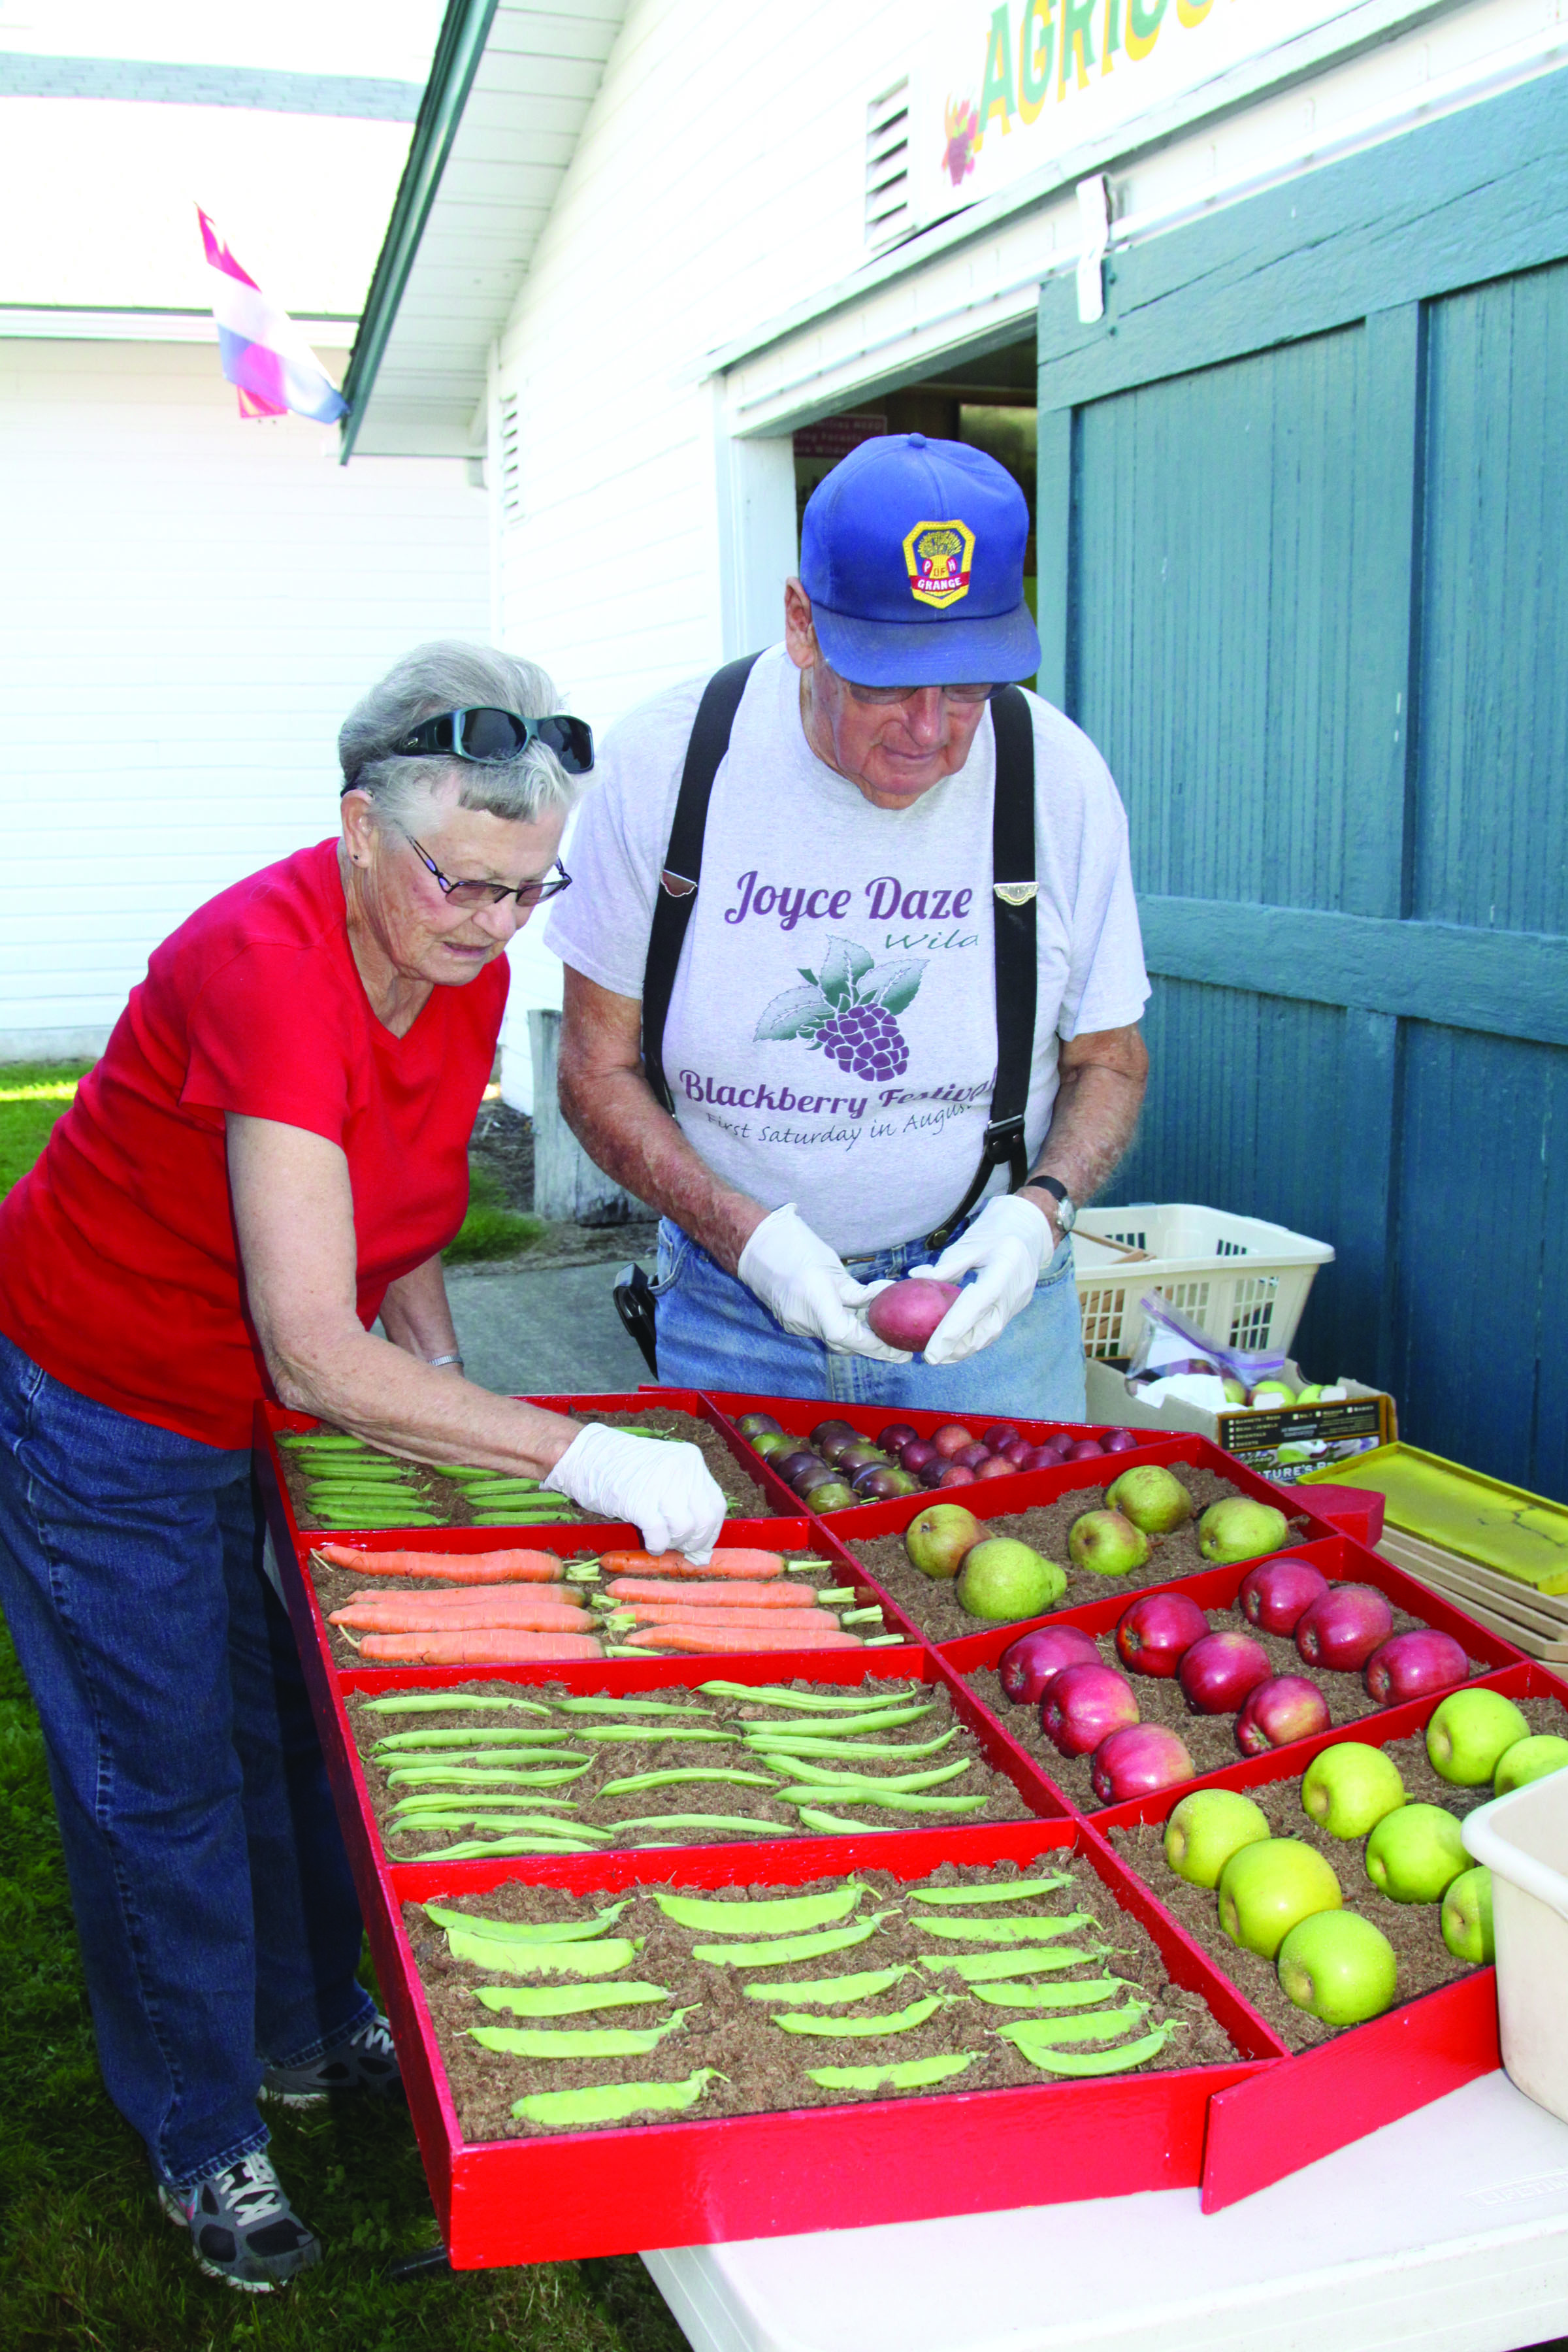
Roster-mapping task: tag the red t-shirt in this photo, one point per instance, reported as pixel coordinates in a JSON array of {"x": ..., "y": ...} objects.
[{"x": 119, "y": 1267}]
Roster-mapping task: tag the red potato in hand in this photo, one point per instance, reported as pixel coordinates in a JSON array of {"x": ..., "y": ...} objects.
[{"x": 906, "y": 1315}]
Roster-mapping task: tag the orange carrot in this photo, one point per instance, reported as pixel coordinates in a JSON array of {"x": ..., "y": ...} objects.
[
  {"x": 721, "y": 1595},
  {"x": 783, "y": 1620},
  {"x": 739, "y": 1562},
  {"x": 472, "y": 1646},
  {"x": 700, "y": 1633},
  {"x": 452, "y": 1567},
  {"x": 480, "y": 1597},
  {"x": 415, "y": 1615}
]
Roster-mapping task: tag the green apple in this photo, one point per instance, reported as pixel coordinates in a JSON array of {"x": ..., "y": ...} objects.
[
  {"x": 1107, "y": 1543},
  {"x": 1530, "y": 1759},
  {"x": 1337, "y": 1967},
  {"x": 1273, "y": 1393},
  {"x": 1151, "y": 1498},
  {"x": 1349, "y": 1788},
  {"x": 1311, "y": 1394},
  {"x": 938, "y": 1540},
  {"x": 1468, "y": 1916},
  {"x": 1234, "y": 1390},
  {"x": 1415, "y": 1854},
  {"x": 1469, "y": 1734},
  {"x": 1003, "y": 1579},
  {"x": 1239, "y": 1529},
  {"x": 1207, "y": 1828},
  {"x": 1264, "y": 1890}
]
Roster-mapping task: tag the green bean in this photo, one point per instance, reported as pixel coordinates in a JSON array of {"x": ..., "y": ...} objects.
[
  {"x": 807, "y": 1702},
  {"x": 525, "y": 1744},
  {"x": 1075, "y": 1994},
  {"x": 481, "y": 1849},
  {"x": 628, "y": 1707},
  {"x": 829, "y": 1826},
  {"x": 1016, "y": 1891},
  {"x": 906, "y": 1783},
  {"x": 828, "y": 1992},
  {"x": 704, "y": 1821},
  {"x": 842, "y": 1726},
  {"x": 903, "y": 2021},
  {"x": 434, "y": 1809},
  {"x": 1032, "y": 2033},
  {"x": 567, "y": 2001},
  {"x": 518, "y": 1786},
  {"x": 909, "y": 2074},
  {"x": 530, "y": 1931},
  {"x": 1103, "y": 2062},
  {"x": 420, "y": 1702},
  {"x": 1006, "y": 1931},
  {"x": 577, "y": 2040},
  {"x": 614, "y": 2103},
  {"x": 506, "y": 1959},
  {"x": 646, "y": 1735},
  {"x": 867, "y": 1793},
  {"x": 636, "y": 1780},
  {"x": 480, "y": 1776},
  {"x": 572, "y": 1837},
  {"x": 789, "y": 1947},
  {"x": 809, "y": 1746},
  {"x": 424, "y": 1800},
  {"x": 789, "y": 1912},
  {"x": 983, "y": 1968}
]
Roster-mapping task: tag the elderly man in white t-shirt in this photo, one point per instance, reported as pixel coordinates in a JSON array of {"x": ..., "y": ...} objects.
[{"x": 831, "y": 1045}]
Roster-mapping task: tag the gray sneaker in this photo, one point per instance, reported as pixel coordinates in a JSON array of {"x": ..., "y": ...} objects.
[
  {"x": 243, "y": 2228},
  {"x": 367, "y": 2060}
]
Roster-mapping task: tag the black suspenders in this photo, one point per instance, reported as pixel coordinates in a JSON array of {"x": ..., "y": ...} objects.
[{"x": 1012, "y": 872}]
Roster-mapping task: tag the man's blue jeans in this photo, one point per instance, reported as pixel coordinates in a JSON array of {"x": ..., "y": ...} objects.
[
  {"x": 713, "y": 1333},
  {"x": 219, "y": 1923}
]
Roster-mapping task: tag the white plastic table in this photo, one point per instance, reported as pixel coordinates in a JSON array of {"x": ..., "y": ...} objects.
[{"x": 1448, "y": 2229}]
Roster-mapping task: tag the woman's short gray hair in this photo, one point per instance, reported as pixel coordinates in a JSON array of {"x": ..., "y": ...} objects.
[{"x": 452, "y": 673}]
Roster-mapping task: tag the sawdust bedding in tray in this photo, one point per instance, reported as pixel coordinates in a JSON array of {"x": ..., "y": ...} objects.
[
  {"x": 933, "y": 1603},
  {"x": 1210, "y": 1738},
  {"x": 766, "y": 2067},
  {"x": 750, "y": 1500},
  {"x": 615, "y": 1759},
  {"x": 1413, "y": 1929}
]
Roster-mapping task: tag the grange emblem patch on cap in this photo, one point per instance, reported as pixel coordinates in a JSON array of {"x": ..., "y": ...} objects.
[{"x": 938, "y": 557}]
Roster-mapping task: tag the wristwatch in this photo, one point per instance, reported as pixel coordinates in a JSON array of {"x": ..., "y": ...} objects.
[{"x": 1067, "y": 1207}]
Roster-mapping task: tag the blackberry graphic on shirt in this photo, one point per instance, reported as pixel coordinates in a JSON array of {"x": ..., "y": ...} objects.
[{"x": 848, "y": 1010}]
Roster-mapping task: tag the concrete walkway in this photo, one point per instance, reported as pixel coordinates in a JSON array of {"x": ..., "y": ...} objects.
[{"x": 543, "y": 1333}]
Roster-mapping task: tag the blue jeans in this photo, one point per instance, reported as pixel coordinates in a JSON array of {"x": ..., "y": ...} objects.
[
  {"x": 217, "y": 1918},
  {"x": 713, "y": 1333}
]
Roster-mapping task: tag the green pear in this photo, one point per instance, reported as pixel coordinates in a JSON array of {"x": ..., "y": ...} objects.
[
  {"x": 1003, "y": 1579},
  {"x": 1350, "y": 1787},
  {"x": 1415, "y": 1854},
  {"x": 1151, "y": 1498},
  {"x": 1239, "y": 1529},
  {"x": 1337, "y": 1967},
  {"x": 1207, "y": 1828},
  {"x": 1107, "y": 1543},
  {"x": 1530, "y": 1759},
  {"x": 1264, "y": 1890},
  {"x": 1468, "y": 1916},
  {"x": 1469, "y": 1734},
  {"x": 937, "y": 1541}
]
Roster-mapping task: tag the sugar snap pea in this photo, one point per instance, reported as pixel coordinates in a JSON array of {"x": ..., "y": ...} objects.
[
  {"x": 630, "y": 1706},
  {"x": 504, "y": 1959},
  {"x": 890, "y": 1800},
  {"x": 529, "y": 1931},
  {"x": 614, "y": 2103},
  {"x": 742, "y": 1821},
  {"x": 576, "y": 2041},
  {"x": 1077, "y": 1992},
  {"x": 373, "y": 1522},
  {"x": 903, "y": 2021},
  {"x": 567, "y": 2001},
  {"x": 786, "y": 1913},
  {"x": 805, "y": 1702},
  {"x": 789, "y": 1947},
  {"x": 1007, "y": 1931},
  {"x": 692, "y": 1772},
  {"x": 908, "y": 2074},
  {"x": 1097, "y": 2025},
  {"x": 438, "y": 1702},
  {"x": 1015, "y": 1890},
  {"x": 984, "y": 1968},
  {"x": 1125, "y": 2055},
  {"x": 829, "y": 1992}
]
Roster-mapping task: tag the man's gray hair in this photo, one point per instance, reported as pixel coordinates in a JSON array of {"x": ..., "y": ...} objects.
[{"x": 452, "y": 673}]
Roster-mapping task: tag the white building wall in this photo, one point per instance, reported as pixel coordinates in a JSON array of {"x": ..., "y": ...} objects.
[{"x": 188, "y": 605}]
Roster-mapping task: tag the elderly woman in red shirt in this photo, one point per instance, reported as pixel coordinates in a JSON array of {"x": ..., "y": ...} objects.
[{"x": 272, "y": 1153}]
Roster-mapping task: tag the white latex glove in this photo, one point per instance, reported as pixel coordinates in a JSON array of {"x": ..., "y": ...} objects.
[
  {"x": 666, "y": 1490},
  {"x": 1006, "y": 1247},
  {"x": 810, "y": 1290}
]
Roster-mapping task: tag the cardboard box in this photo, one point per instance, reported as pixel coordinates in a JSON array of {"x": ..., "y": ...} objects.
[{"x": 1282, "y": 1446}]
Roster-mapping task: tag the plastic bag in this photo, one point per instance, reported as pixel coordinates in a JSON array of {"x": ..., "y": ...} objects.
[{"x": 1169, "y": 1344}]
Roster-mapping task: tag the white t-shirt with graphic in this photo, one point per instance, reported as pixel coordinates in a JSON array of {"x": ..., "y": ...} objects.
[{"x": 832, "y": 1036}]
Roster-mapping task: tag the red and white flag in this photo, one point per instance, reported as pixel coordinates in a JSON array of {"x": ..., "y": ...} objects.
[{"x": 264, "y": 355}]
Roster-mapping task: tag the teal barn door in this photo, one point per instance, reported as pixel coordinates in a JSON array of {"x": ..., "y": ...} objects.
[{"x": 1303, "y": 537}]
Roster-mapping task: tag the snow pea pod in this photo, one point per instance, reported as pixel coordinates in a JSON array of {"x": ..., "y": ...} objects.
[
  {"x": 1077, "y": 1993},
  {"x": 1016, "y": 1891},
  {"x": 982, "y": 1968},
  {"x": 1006, "y": 1931},
  {"x": 479, "y": 1776},
  {"x": 1103, "y": 2062},
  {"x": 691, "y": 1772},
  {"x": 790, "y": 1914},
  {"x": 805, "y": 1702},
  {"x": 704, "y": 1821},
  {"x": 568, "y": 2000},
  {"x": 438, "y": 1702},
  {"x": 904, "y": 1782},
  {"x": 891, "y": 1801},
  {"x": 529, "y": 1931},
  {"x": 828, "y": 1993},
  {"x": 789, "y": 1947},
  {"x": 614, "y": 2103},
  {"x": 1030, "y": 2033},
  {"x": 629, "y": 1707},
  {"x": 576, "y": 2041},
  {"x": 908, "y": 2074},
  {"x": 505, "y": 1959},
  {"x": 903, "y": 2021}
]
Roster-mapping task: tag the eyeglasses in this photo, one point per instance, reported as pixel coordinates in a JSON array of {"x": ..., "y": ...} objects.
[
  {"x": 491, "y": 736},
  {"x": 888, "y": 695},
  {"x": 528, "y": 895}
]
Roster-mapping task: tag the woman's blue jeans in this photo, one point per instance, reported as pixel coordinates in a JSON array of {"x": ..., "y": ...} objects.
[
  {"x": 713, "y": 1333},
  {"x": 217, "y": 1918}
]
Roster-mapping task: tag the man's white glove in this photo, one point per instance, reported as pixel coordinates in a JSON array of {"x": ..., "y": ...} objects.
[
  {"x": 666, "y": 1490},
  {"x": 809, "y": 1289},
  {"x": 1006, "y": 1247}
]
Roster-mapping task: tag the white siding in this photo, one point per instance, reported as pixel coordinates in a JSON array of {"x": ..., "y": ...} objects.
[{"x": 188, "y": 605}]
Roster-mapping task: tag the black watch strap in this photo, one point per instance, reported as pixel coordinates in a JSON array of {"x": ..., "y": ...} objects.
[{"x": 1057, "y": 1191}]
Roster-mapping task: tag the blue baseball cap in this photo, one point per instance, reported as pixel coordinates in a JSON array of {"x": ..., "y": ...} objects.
[{"x": 912, "y": 553}]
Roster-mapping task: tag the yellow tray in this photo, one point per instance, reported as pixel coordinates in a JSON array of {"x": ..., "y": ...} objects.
[{"x": 1503, "y": 1527}]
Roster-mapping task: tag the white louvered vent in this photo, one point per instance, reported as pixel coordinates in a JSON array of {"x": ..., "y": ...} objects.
[
  {"x": 510, "y": 455},
  {"x": 887, "y": 215}
]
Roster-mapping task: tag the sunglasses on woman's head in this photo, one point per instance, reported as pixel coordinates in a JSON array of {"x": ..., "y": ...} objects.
[{"x": 489, "y": 738}]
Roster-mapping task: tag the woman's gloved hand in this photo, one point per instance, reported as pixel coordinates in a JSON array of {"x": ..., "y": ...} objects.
[
  {"x": 806, "y": 1286},
  {"x": 666, "y": 1490},
  {"x": 1004, "y": 1248}
]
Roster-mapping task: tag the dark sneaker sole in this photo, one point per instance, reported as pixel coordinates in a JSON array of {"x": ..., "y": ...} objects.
[{"x": 176, "y": 2213}]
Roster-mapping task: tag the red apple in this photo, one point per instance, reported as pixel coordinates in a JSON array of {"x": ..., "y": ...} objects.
[
  {"x": 1276, "y": 1593},
  {"x": 1118, "y": 1440},
  {"x": 972, "y": 1456},
  {"x": 1088, "y": 1449},
  {"x": 1082, "y": 1704},
  {"x": 1043, "y": 1457},
  {"x": 995, "y": 1466},
  {"x": 1025, "y": 1667},
  {"x": 1000, "y": 1433},
  {"x": 1218, "y": 1673},
  {"x": 1157, "y": 1631},
  {"x": 1287, "y": 1707},
  {"x": 951, "y": 1438},
  {"x": 897, "y": 1435},
  {"x": 956, "y": 1474},
  {"x": 1343, "y": 1627},
  {"x": 1409, "y": 1665},
  {"x": 914, "y": 1455},
  {"x": 1137, "y": 1761}
]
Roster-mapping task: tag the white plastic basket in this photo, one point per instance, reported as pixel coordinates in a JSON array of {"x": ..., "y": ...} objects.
[
  {"x": 1522, "y": 1838},
  {"x": 1243, "y": 1281}
]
